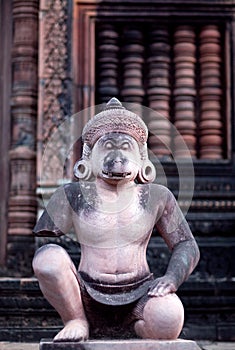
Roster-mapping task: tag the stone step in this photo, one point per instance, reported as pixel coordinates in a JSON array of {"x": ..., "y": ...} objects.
[
  {"x": 26, "y": 316},
  {"x": 133, "y": 344}
]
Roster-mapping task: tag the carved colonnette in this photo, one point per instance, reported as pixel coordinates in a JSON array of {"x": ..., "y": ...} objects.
[
  {"x": 22, "y": 199},
  {"x": 185, "y": 88},
  {"x": 107, "y": 75},
  {"x": 158, "y": 90},
  {"x": 132, "y": 65},
  {"x": 211, "y": 93}
]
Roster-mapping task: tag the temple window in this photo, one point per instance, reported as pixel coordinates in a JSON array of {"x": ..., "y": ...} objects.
[{"x": 179, "y": 70}]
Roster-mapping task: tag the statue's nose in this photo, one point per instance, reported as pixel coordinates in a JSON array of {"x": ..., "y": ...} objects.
[{"x": 118, "y": 159}]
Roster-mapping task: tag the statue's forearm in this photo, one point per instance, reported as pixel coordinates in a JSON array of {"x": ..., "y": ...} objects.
[{"x": 184, "y": 259}]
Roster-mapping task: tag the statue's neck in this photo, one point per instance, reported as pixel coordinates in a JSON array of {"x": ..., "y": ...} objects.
[
  {"x": 115, "y": 196},
  {"x": 115, "y": 186}
]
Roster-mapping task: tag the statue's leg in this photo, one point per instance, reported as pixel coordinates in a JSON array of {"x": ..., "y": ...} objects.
[
  {"x": 163, "y": 318},
  {"x": 56, "y": 274}
]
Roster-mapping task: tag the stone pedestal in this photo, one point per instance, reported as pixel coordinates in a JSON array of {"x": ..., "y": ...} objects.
[{"x": 47, "y": 344}]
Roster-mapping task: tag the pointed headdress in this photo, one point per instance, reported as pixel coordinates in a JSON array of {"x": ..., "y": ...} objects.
[{"x": 114, "y": 118}]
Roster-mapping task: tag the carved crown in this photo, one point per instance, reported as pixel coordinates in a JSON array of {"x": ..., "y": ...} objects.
[{"x": 115, "y": 118}]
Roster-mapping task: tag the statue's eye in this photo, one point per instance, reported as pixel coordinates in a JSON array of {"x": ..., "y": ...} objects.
[
  {"x": 108, "y": 145},
  {"x": 125, "y": 146}
]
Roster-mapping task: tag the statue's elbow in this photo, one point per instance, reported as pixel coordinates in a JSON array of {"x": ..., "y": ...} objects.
[{"x": 196, "y": 254}]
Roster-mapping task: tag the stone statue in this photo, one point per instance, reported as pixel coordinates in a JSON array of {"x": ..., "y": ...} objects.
[{"x": 113, "y": 209}]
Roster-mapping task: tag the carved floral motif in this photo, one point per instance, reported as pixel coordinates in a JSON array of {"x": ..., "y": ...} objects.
[{"x": 54, "y": 71}]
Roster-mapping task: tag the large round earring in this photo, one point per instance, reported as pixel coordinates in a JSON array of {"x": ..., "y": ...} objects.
[
  {"x": 82, "y": 170},
  {"x": 147, "y": 172}
]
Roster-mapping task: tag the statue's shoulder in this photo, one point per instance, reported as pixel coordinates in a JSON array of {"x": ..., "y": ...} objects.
[
  {"x": 73, "y": 194},
  {"x": 160, "y": 189},
  {"x": 161, "y": 194},
  {"x": 72, "y": 188},
  {"x": 79, "y": 194}
]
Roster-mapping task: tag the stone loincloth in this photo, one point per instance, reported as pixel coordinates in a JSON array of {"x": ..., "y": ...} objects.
[
  {"x": 108, "y": 305},
  {"x": 115, "y": 294}
]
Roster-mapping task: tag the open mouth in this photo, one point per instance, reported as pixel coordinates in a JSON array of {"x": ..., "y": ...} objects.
[{"x": 112, "y": 174}]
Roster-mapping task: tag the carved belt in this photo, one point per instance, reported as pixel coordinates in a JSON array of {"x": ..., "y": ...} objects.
[{"x": 115, "y": 294}]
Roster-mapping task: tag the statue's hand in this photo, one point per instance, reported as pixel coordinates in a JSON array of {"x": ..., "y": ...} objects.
[{"x": 162, "y": 286}]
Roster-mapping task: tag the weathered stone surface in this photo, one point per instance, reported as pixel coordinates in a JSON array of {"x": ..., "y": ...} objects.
[{"x": 134, "y": 344}]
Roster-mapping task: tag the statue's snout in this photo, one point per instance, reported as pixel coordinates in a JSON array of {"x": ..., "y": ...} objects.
[
  {"x": 114, "y": 158},
  {"x": 116, "y": 165}
]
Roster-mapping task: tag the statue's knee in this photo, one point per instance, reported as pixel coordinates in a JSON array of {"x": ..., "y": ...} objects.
[
  {"x": 163, "y": 318},
  {"x": 48, "y": 260}
]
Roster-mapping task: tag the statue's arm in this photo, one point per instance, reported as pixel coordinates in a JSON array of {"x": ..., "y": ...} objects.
[
  {"x": 185, "y": 253},
  {"x": 56, "y": 219}
]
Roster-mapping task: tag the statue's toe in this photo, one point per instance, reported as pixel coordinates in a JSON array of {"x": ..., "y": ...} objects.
[{"x": 74, "y": 331}]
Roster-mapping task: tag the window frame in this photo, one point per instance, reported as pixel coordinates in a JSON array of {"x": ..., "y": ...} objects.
[{"x": 214, "y": 179}]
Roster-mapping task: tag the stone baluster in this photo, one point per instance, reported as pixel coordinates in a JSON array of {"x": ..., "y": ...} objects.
[
  {"x": 211, "y": 127},
  {"x": 107, "y": 51},
  {"x": 132, "y": 66},
  {"x": 184, "y": 90},
  {"x": 158, "y": 92}
]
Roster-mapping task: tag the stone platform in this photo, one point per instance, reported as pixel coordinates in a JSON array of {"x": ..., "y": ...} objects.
[{"x": 47, "y": 344}]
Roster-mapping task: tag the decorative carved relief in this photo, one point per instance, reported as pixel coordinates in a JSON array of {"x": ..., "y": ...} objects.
[{"x": 54, "y": 74}]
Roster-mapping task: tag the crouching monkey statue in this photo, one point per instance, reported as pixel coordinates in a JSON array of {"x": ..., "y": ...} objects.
[{"x": 113, "y": 208}]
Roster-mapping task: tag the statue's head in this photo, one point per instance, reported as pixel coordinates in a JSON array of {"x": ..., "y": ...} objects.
[{"x": 115, "y": 147}]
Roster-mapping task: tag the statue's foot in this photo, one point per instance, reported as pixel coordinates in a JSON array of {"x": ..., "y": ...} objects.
[{"x": 74, "y": 330}]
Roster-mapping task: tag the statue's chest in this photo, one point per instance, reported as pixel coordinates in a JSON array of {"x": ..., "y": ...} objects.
[
  {"x": 113, "y": 214},
  {"x": 112, "y": 225}
]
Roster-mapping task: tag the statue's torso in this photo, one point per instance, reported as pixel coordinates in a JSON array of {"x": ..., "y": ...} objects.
[
  {"x": 113, "y": 228},
  {"x": 114, "y": 233}
]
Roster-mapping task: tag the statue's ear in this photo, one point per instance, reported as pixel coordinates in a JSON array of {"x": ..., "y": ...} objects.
[
  {"x": 82, "y": 170},
  {"x": 147, "y": 172}
]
